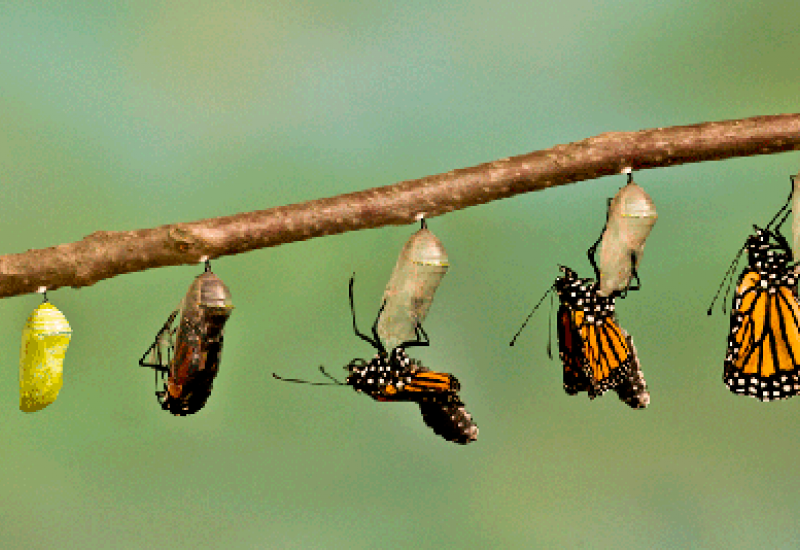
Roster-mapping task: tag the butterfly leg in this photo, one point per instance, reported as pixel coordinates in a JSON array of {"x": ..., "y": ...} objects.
[
  {"x": 374, "y": 343},
  {"x": 421, "y": 341}
]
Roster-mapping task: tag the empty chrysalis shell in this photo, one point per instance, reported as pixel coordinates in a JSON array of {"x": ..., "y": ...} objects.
[
  {"x": 631, "y": 216},
  {"x": 420, "y": 267},
  {"x": 41, "y": 364},
  {"x": 796, "y": 216}
]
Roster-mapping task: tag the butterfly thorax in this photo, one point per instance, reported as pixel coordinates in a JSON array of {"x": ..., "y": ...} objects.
[
  {"x": 381, "y": 377},
  {"x": 770, "y": 261},
  {"x": 581, "y": 295}
]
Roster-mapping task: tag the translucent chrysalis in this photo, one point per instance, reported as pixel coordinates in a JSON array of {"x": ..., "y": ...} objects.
[
  {"x": 408, "y": 296},
  {"x": 191, "y": 352},
  {"x": 45, "y": 339},
  {"x": 631, "y": 216}
]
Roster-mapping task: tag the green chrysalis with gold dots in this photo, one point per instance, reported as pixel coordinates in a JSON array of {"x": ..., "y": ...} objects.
[{"x": 408, "y": 296}]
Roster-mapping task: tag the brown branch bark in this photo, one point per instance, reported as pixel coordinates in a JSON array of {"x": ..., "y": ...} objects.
[{"x": 105, "y": 254}]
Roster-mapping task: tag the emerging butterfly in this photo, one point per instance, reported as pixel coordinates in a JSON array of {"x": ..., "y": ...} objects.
[
  {"x": 597, "y": 354},
  {"x": 763, "y": 356},
  {"x": 190, "y": 353},
  {"x": 594, "y": 349},
  {"x": 394, "y": 376}
]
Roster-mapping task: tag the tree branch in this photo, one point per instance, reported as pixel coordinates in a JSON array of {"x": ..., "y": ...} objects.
[{"x": 105, "y": 254}]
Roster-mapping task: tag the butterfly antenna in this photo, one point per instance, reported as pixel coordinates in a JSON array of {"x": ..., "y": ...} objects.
[
  {"x": 514, "y": 339},
  {"x": 329, "y": 375},
  {"x": 728, "y": 277},
  {"x": 299, "y": 381}
]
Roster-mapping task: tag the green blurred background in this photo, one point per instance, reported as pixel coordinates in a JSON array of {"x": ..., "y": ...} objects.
[{"x": 128, "y": 115}]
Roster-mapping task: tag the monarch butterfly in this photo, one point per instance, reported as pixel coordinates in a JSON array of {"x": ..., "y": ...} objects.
[
  {"x": 633, "y": 388},
  {"x": 631, "y": 216},
  {"x": 763, "y": 355},
  {"x": 436, "y": 393},
  {"x": 597, "y": 354},
  {"x": 593, "y": 348},
  {"x": 45, "y": 339},
  {"x": 394, "y": 376},
  {"x": 420, "y": 267},
  {"x": 190, "y": 353}
]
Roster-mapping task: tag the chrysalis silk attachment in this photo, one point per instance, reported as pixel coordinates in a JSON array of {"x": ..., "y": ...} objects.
[
  {"x": 45, "y": 339},
  {"x": 420, "y": 267},
  {"x": 631, "y": 216}
]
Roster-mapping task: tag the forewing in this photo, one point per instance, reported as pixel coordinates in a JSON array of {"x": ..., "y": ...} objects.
[
  {"x": 570, "y": 350},
  {"x": 608, "y": 354},
  {"x": 763, "y": 359}
]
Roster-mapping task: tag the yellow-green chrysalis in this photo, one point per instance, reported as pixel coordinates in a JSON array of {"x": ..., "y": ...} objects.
[{"x": 45, "y": 338}]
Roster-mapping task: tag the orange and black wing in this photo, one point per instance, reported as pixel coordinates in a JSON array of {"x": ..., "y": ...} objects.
[
  {"x": 595, "y": 352},
  {"x": 417, "y": 386},
  {"x": 606, "y": 350},
  {"x": 427, "y": 382},
  {"x": 763, "y": 359},
  {"x": 399, "y": 379},
  {"x": 570, "y": 350}
]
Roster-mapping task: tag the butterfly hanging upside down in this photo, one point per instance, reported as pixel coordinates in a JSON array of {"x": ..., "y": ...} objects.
[
  {"x": 394, "y": 376},
  {"x": 763, "y": 355},
  {"x": 597, "y": 354}
]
